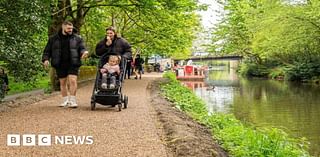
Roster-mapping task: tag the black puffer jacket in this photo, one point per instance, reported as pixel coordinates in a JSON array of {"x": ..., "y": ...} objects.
[
  {"x": 53, "y": 50},
  {"x": 119, "y": 46}
]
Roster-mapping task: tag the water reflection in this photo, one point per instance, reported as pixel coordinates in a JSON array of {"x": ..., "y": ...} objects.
[
  {"x": 221, "y": 97},
  {"x": 292, "y": 107}
]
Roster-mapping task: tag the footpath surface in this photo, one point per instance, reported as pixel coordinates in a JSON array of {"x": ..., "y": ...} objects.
[{"x": 131, "y": 132}]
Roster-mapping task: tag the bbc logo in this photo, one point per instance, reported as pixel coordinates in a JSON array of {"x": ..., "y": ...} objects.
[
  {"x": 45, "y": 140},
  {"x": 28, "y": 140}
]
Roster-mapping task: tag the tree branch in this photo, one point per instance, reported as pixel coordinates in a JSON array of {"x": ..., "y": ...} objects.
[
  {"x": 145, "y": 29},
  {"x": 109, "y": 5},
  {"x": 69, "y": 6},
  {"x": 311, "y": 22},
  {"x": 69, "y": 9}
]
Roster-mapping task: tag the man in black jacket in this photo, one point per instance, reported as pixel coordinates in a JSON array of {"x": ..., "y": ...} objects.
[{"x": 65, "y": 51}]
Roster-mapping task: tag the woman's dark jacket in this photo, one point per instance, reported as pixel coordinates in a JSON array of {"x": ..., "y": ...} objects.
[
  {"x": 119, "y": 46},
  {"x": 53, "y": 50}
]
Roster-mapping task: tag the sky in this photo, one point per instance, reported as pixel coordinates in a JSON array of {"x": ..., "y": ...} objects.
[{"x": 210, "y": 16}]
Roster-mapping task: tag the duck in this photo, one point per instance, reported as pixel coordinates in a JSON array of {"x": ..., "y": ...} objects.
[{"x": 211, "y": 87}]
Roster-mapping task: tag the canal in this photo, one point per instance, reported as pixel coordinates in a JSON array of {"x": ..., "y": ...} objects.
[{"x": 292, "y": 107}]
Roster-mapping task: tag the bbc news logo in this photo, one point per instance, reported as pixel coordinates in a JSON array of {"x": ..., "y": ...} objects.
[{"x": 46, "y": 140}]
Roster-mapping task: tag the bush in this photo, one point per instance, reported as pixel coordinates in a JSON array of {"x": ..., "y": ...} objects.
[
  {"x": 253, "y": 70},
  {"x": 302, "y": 71},
  {"x": 277, "y": 73},
  {"x": 91, "y": 61}
]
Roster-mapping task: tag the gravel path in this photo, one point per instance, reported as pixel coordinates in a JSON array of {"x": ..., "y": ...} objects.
[{"x": 130, "y": 133}]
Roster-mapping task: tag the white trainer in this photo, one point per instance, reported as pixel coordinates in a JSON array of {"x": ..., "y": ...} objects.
[
  {"x": 64, "y": 104},
  {"x": 73, "y": 104}
]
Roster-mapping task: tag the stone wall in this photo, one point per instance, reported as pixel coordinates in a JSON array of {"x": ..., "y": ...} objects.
[{"x": 87, "y": 73}]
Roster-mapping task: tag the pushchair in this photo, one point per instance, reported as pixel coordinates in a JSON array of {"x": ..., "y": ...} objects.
[{"x": 112, "y": 96}]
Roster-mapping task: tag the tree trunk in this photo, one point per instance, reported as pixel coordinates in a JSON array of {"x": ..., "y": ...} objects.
[
  {"x": 57, "y": 17},
  {"x": 79, "y": 20}
]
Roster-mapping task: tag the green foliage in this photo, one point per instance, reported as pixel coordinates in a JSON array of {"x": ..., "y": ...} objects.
[
  {"x": 302, "y": 71},
  {"x": 238, "y": 139},
  {"x": 242, "y": 141},
  {"x": 22, "y": 25},
  {"x": 184, "y": 98},
  {"x": 166, "y": 28},
  {"x": 171, "y": 76},
  {"x": 94, "y": 28},
  {"x": 91, "y": 61},
  {"x": 277, "y": 73},
  {"x": 154, "y": 27},
  {"x": 255, "y": 70}
]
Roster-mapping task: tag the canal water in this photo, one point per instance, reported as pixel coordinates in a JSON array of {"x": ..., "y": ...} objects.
[{"x": 292, "y": 107}]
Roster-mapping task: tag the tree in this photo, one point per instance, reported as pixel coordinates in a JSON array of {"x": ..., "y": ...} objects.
[
  {"x": 155, "y": 27},
  {"x": 21, "y": 25},
  {"x": 279, "y": 32},
  {"x": 151, "y": 26}
]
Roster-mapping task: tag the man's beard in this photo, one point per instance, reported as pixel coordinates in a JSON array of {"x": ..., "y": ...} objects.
[{"x": 67, "y": 33}]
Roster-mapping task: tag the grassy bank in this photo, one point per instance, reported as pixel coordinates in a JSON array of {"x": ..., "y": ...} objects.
[
  {"x": 237, "y": 138},
  {"x": 85, "y": 73},
  {"x": 18, "y": 87}
]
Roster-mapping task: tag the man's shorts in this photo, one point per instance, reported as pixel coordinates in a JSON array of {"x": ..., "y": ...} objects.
[
  {"x": 138, "y": 68},
  {"x": 64, "y": 72}
]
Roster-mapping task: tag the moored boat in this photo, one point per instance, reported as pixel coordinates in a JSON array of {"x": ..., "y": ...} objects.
[{"x": 191, "y": 72}]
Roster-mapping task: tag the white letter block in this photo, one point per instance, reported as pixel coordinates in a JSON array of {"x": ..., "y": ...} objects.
[
  {"x": 29, "y": 140},
  {"x": 44, "y": 140},
  {"x": 13, "y": 140}
]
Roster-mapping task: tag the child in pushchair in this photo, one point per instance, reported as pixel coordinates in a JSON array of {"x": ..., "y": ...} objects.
[
  {"x": 110, "y": 70},
  {"x": 108, "y": 84}
]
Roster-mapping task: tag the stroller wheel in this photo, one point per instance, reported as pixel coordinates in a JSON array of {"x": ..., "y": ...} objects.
[
  {"x": 123, "y": 98},
  {"x": 119, "y": 106},
  {"x": 93, "y": 105},
  {"x": 125, "y": 103}
]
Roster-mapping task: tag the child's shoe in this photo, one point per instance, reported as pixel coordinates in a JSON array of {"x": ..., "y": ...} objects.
[{"x": 104, "y": 86}]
